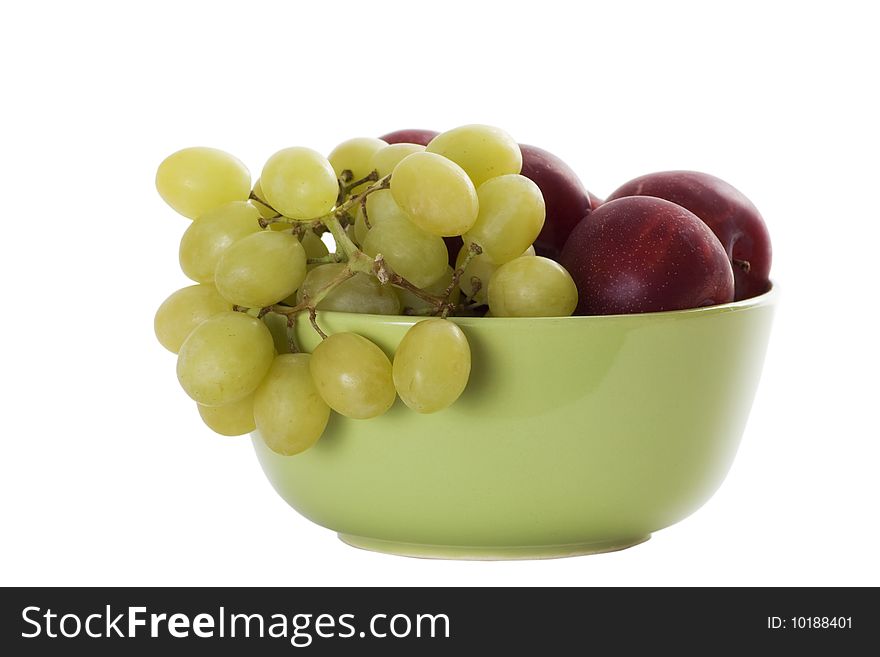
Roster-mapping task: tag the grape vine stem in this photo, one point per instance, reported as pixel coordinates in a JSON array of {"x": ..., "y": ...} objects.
[
  {"x": 291, "y": 335},
  {"x": 310, "y": 303},
  {"x": 313, "y": 318},
  {"x": 373, "y": 176},
  {"x": 349, "y": 252},
  {"x": 254, "y": 197},
  {"x": 473, "y": 251},
  {"x": 330, "y": 258}
]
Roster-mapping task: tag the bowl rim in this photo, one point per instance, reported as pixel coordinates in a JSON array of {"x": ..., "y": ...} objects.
[{"x": 765, "y": 299}]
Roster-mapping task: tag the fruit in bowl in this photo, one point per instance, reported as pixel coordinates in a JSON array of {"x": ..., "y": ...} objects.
[
  {"x": 475, "y": 417},
  {"x": 732, "y": 217},
  {"x": 643, "y": 254},
  {"x": 567, "y": 200}
]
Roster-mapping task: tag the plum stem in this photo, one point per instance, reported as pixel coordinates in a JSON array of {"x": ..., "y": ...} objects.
[{"x": 745, "y": 265}]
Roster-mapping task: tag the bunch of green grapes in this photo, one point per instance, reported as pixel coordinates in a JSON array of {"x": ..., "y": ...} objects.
[{"x": 256, "y": 255}]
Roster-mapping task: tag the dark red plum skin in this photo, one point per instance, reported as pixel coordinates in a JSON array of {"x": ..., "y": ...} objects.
[
  {"x": 643, "y": 254},
  {"x": 410, "y": 136},
  {"x": 731, "y": 216},
  {"x": 595, "y": 201},
  {"x": 565, "y": 198}
]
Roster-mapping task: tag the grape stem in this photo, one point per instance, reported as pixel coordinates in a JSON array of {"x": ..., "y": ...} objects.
[
  {"x": 473, "y": 251},
  {"x": 373, "y": 176},
  {"x": 340, "y": 213},
  {"x": 476, "y": 286},
  {"x": 310, "y": 303},
  {"x": 327, "y": 259},
  {"x": 254, "y": 197},
  {"x": 313, "y": 318},
  {"x": 357, "y": 261},
  {"x": 256, "y": 313},
  {"x": 378, "y": 267},
  {"x": 313, "y": 301},
  {"x": 291, "y": 337},
  {"x": 344, "y": 177},
  {"x": 386, "y": 275},
  {"x": 350, "y": 251},
  {"x": 364, "y": 212},
  {"x": 298, "y": 227},
  {"x": 332, "y": 221}
]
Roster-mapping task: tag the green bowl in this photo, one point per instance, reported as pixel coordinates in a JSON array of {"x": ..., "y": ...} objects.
[{"x": 575, "y": 435}]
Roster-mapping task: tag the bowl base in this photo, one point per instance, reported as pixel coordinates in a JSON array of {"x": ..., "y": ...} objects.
[{"x": 489, "y": 552}]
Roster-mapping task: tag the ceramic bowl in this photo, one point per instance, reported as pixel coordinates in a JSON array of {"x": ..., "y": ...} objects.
[{"x": 575, "y": 435}]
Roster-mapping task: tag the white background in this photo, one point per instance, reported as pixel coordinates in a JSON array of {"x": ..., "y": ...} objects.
[{"x": 107, "y": 475}]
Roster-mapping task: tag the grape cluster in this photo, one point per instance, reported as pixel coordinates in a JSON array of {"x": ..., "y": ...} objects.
[{"x": 393, "y": 210}]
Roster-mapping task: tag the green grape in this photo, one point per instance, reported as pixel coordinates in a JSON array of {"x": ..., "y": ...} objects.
[
  {"x": 532, "y": 286},
  {"x": 180, "y": 313},
  {"x": 418, "y": 306},
  {"x": 224, "y": 358},
  {"x": 349, "y": 230},
  {"x": 314, "y": 246},
  {"x": 196, "y": 180},
  {"x": 299, "y": 183},
  {"x": 380, "y": 206},
  {"x": 355, "y": 155},
  {"x": 360, "y": 226},
  {"x": 353, "y": 376},
  {"x": 211, "y": 234},
  {"x": 481, "y": 269},
  {"x": 385, "y": 159},
  {"x": 511, "y": 216},
  {"x": 361, "y": 293},
  {"x": 289, "y": 413},
  {"x": 235, "y": 419},
  {"x": 481, "y": 150},
  {"x": 277, "y": 325},
  {"x": 261, "y": 269},
  {"x": 435, "y": 193},
  {"x": 419, "y": 257},
  {"x": 432, "y": 365},
  {"x": 265, "y": 211}
]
